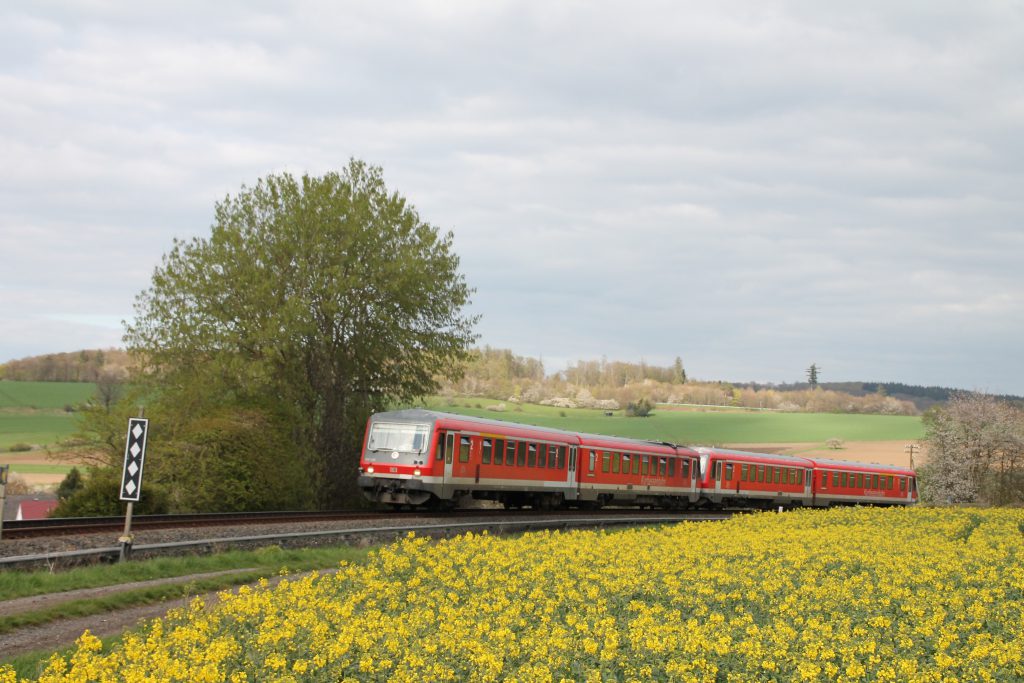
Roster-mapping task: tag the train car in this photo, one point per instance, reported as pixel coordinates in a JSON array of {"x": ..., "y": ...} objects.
[
  {"x": 617, "y": 471},
  {"x": 841, "y": 482},
  {"x": 421, "y": 457},
  {"x": 744, "y": 479}
]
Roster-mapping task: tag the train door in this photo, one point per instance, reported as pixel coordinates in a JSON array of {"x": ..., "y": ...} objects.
[
  {"x": 571, "y": 485},
  {"x": 449, "y": 459}
]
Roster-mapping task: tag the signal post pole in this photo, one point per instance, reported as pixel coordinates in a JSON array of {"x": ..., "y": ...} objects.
[{"x": 131, "y": 476}]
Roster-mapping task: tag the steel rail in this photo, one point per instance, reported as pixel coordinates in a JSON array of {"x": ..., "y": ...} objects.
[{"x": 111, "y": 552}]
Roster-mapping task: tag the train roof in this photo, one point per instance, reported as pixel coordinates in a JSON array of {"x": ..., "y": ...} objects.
[
  {"x": 791, "y": 460},
  {"x": 423, "y": 415},
  {"x": 851, "y": 464}
]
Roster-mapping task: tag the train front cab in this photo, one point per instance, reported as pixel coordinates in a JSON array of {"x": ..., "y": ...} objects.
[{"x": 397, "y": 466}]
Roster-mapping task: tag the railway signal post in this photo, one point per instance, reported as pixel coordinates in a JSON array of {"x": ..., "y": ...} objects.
[{"x": 131, "y": 476}]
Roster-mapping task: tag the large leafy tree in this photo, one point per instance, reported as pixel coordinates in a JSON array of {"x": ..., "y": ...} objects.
[{"x": 315, "y": 299}]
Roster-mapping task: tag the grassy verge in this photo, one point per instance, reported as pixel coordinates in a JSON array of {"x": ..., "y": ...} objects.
[{"x": 16, "y": 584}]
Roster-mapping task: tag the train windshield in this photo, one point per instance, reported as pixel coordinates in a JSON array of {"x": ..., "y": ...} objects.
[{"x": 395, "y": 436}]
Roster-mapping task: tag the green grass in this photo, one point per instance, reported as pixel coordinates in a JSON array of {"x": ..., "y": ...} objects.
[
  {"x": 44, "y": 395},
  {"x": 19, "y": 584},
  {"x": 34, "y": 412},
  {"x": 703, "y": 427},
  {"x": 26, "y": 468},
  {"x": 248, "y": 566},
  {"x": 41, "y": 429}
]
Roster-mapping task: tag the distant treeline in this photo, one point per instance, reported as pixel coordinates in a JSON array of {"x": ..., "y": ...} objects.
[
  {"x": 77, "y": 366},
  {"x": 923, "y": 397},
  {"x": 501, "y": 375}
]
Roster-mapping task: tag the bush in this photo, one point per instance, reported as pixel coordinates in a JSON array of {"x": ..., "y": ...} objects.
[
  {"x": 231, "y": 462},
  {"x": 641, "y": 408},
  {"x": 99, "y": 497},
  {"x": 71, "y": 484},
  {"x": 20, "y": 447}
]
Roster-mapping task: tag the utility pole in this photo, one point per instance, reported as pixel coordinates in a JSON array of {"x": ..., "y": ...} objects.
[
  {"x": 911, "y": 448},
  {"x": 4, "y": 469}
]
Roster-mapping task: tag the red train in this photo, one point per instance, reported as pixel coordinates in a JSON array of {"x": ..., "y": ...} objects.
[{"x": 421, "y": 457}]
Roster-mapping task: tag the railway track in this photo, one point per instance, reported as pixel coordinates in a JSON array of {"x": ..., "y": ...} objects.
[
  {"x": 338, "y": 527},
  {"x": 65, "y": 526}
]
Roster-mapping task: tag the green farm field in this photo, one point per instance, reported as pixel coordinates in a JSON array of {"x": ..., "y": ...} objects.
[
  {"x": 34, "y": 413},
  {"x": 44, "y": 395},
  {"x": 707, "y": 428}
]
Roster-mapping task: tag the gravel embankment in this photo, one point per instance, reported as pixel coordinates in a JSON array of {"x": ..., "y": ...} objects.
[{"x": 56, "y": 544}]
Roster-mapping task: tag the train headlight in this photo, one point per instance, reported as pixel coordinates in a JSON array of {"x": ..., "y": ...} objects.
[
  {"x": 416, "y": 472},
  {"x": 369, "y": 470}
]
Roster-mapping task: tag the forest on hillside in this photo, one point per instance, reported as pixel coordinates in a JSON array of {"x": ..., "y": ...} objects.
[
  {"x": 77, "y": 366},
  {"x": 502, "y": 375}
]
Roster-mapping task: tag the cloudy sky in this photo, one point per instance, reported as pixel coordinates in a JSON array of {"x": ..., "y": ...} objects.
[{"x": 751, "y": 186}]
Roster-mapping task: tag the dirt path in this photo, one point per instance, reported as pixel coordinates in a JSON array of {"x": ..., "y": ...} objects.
[{"x": 64, "y": 632}]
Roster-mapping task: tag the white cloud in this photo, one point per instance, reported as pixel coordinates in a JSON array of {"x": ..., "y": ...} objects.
[{"x": 750, "y": 187}]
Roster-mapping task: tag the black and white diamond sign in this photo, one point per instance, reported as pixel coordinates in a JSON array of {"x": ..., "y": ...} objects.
[{"x": 134, "y": 453}]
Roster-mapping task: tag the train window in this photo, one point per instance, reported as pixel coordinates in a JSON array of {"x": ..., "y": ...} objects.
[
  {"x": 606, "y": 461},
  {"x": 760, "y": 472},
  {"x": 800, "y": 477},
  {"x": 672, "y": 467},
  {"x": 743, "y": 471},
  {"x": 903, "y": 484},
  {"x": 645, "y": 465},
  {"x": 860, "y": 481},
  {"x": 842, "y": 479},
  {"x": 662, "y": 467},
  {"x": 542, "y": 455},
  {"x": 874, "y": 480},
  {"x": 615, "y": 463},
  {"x": 728, "y": 471},
  {"x": 778, "y": 474},
  {"x": 684, "y": 468},
  {"x": 636, "y": 464},
  {"x": 440, "y": 446},
  {"x": 464, "y": 449},
  {"x": 593, "y": 457},
  {"x": 532, "y": 459},
  {"x": 625, "y": 463},
  {"x": 485, "y": 451},
  {"x": 835, "y": 479},
  {"x": 521, "y": 454},
  {"x": 561, "y": 457},
  {"x": 510, "y": 453},
  {"x": 499, "y": 451}
]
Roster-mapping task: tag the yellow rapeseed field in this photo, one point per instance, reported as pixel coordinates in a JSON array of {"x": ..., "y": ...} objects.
[{"x": 843, "y": 595}]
